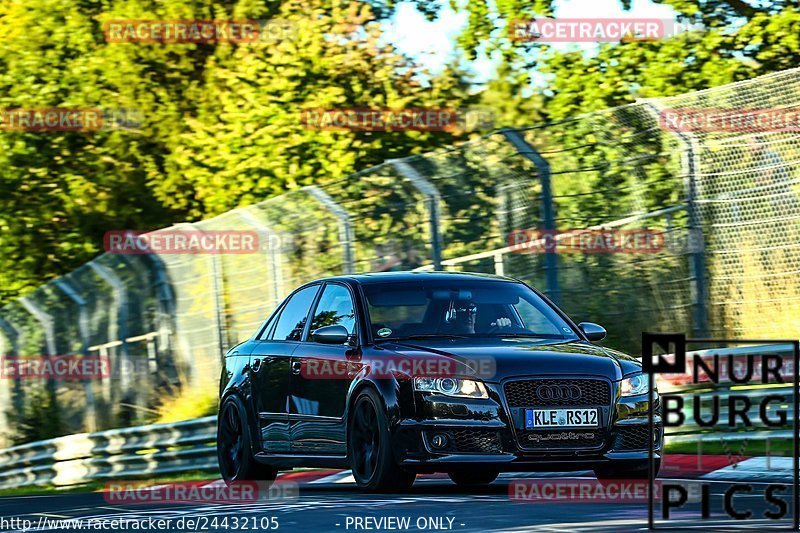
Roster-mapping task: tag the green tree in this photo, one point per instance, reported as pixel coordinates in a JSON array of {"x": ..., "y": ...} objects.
[
  {"x": 248, "y": 140},
  {"x": 219, "y": 122}
]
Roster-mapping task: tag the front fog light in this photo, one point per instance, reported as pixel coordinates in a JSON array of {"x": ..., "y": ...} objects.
[
  {"x": 439, "y": 441},
  {"x": 462, "y": 388},
  {"x": 634, "y": 385}
]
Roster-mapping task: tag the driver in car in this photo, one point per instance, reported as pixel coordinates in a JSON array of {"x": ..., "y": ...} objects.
[{"x": 461, "y": 318}]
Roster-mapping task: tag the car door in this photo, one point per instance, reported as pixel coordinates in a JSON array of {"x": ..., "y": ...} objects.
[
  {"x": 270, "y": 368},
  {"x": 321, "y": 377}
]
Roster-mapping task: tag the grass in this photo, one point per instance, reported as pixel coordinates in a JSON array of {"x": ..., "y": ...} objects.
[
  {"x": 188, "y": 404},
  {"x": 96, "y": 486}
]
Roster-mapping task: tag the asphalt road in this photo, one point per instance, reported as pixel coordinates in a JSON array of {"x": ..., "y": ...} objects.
[{"x": 431, "y": 505}]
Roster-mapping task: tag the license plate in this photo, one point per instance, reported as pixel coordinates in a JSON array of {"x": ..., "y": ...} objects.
[{"x": 561, "y": 418}]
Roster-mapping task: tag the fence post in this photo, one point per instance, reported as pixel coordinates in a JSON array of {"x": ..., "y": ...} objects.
[
  {"x": 83, "y": 329},
  {"x": 548, "y": 214},
  {"x": 121, "y": 314},
  {"x": 45, "y": 320},
  {"x": 434, "y": 206},
  {"x": 696, "y": 242},
  {"x": 345, "y": 225},
  {"x": 504, "y": 221},
  {"x": 13, "y": 335},
  {"x": 166, "y": 313}
]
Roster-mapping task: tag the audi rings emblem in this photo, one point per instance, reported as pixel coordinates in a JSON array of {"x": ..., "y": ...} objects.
[{"x": 558, "y": 392}]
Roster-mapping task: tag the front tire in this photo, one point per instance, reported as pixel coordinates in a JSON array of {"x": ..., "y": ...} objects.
[
  {"x": 369, "y": 448},
  {"x": 234, "y": 450},
  {"x": 473, "y": 479}
]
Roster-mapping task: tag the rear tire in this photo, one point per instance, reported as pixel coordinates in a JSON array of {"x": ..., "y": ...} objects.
[
  {"x": 473, "y": 479},
  {"x": 369, "y": 448},
  {"x": 234, "y": 446}
]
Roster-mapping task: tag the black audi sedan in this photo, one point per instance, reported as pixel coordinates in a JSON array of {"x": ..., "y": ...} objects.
[{"x": 395, "y": 374}]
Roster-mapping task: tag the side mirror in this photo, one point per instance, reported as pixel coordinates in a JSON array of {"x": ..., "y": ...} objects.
[
  {"x": 593, "y": 332},
  {"x": 330, "y": 335}
]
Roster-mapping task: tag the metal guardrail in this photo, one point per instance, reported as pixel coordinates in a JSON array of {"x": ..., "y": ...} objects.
[
  {"x": 112, "y": 454},
  {"x": 189, "y": 446}
]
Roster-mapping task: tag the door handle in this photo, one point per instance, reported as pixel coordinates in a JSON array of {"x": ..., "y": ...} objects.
[
  {"x": 256, "y": 365},
  {"x": 297, "y": 366}
]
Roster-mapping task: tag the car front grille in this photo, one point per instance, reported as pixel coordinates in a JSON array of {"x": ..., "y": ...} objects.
[
  {"x": 634, "y": 437},
  {"x": 526, "y": 393},
  {"x": 469, "y": 440}
]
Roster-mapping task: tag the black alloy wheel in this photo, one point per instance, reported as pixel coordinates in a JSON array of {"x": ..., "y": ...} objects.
[
  {"x": 234, "y": 454},
  {"x": 372, "y": 461}
]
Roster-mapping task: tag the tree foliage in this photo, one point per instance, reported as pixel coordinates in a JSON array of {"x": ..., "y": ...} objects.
[{"x": 220, "y": 123}]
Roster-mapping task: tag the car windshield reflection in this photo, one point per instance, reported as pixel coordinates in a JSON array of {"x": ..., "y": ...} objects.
[{"x": 452, "y": 310}]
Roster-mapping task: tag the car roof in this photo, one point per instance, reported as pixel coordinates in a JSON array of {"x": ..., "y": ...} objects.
[{"x": 384, "y": 277}]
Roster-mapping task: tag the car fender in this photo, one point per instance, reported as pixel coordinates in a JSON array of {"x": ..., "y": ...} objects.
[
  {"x": 235, "y": 381},
  {"x": 389, "y": 390}
]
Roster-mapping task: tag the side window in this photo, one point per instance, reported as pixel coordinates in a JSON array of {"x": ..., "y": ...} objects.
[
  {"x": 293, "y": 316},
  {"x": 335, "y": 308}
]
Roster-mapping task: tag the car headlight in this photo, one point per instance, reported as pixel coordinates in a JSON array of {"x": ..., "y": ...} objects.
[
  {"x": 464, "y": 388},
  {"x": 634, "y": 385}
]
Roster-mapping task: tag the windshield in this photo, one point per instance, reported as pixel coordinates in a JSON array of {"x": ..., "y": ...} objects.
[{"x": 456, "y": 309}]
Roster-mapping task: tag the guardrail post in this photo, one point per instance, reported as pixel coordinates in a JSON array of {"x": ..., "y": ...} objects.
[
  {"x": 548, "y": 214},
  {"x": 345, "y": 225},
  {"x": 83, "y": 330},
  {"x": 696, "y": 242},
  {"x": 434, "y": 206}
]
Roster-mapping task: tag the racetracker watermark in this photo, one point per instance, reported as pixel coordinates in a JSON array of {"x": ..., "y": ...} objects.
[
  {"x": 571, "y": 490},
  {"x": 59, "y": 367},
  {"x": 594, "y": 30},
  {"x": 407, "y": 119},
  {"x": 708, "y": 120},
  {"x": 68, "y": 119},
  {"x": 217, "y": 492},
  {"x": 189, "y": 241},
  {"x": 740, "y": 406},
  {"x": 388, "y": 367},
  {"x": 587, "y": 241},
  {"x": 198, "y": 31}
]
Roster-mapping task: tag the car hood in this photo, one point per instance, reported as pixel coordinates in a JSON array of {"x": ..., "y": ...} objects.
[{"x": 515, "y": 357}]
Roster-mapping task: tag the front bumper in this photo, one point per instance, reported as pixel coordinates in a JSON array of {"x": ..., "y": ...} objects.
[{"x": 488, "y": 432}]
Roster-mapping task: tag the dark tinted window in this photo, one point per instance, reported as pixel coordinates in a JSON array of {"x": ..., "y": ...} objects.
[
  {"x": 475, "y": 308},
  {"x": 293, "y": 316},
  {"x": 335, "y": 308}
]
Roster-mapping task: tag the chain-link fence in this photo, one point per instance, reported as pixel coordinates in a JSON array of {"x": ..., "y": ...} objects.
[{"x": 724, "y": 203}]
